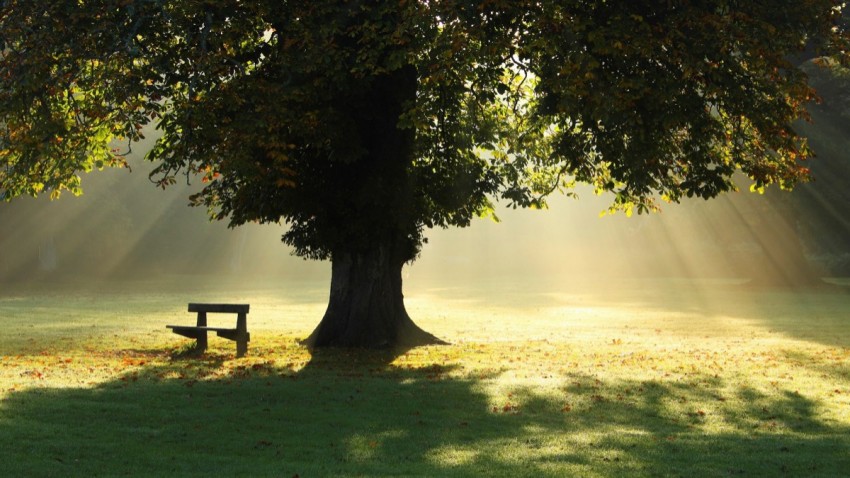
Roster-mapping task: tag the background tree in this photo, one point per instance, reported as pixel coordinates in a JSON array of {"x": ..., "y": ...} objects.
[
  {"x": 363, "y": 123},
  {"x": 819, "y": 206}
]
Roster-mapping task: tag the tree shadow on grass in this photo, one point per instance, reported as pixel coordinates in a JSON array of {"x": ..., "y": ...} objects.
[{"x": 353, "y": 414}]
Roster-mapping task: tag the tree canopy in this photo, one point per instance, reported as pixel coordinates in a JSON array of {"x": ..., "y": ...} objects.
[{"x": 362, "y": 123}]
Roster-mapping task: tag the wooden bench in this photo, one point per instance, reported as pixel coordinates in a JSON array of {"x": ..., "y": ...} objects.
[{"x": 199, "y": 331}]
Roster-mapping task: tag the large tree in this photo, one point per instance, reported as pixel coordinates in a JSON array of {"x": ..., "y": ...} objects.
[{"x": 363, "y": 123}]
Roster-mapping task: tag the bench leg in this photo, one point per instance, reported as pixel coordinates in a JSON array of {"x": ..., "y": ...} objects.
[
  {"x": 202, "y": 337},
  {"x": 242, "y": 336},
  {"x": 202, "y": 341}
]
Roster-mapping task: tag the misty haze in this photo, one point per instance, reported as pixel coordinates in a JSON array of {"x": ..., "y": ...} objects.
[{"x": 125, "y": 229}]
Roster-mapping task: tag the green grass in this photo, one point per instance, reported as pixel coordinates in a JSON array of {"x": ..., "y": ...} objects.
[{"x": 662, "y": 378}]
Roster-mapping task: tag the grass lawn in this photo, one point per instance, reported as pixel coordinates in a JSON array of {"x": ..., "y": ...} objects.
[{"x": 659, "y": 378}]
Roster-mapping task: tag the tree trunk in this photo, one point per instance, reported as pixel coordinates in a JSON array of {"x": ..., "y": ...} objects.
[
  {"x": 366, "y": 305},
  {"x": 372, "y": 224}
]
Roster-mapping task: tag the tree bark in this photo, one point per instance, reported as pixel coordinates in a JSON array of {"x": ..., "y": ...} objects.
[{"x": 366, "y": 305}]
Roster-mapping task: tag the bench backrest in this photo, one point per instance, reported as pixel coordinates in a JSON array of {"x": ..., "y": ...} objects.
[{"x": 220, "y": 308}]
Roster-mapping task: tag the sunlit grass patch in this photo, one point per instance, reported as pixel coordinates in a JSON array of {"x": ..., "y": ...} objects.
[{"x": 748, "y": 386}]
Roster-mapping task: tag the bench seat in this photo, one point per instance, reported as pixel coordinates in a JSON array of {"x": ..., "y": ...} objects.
[{"x": 192, "y": 331}]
